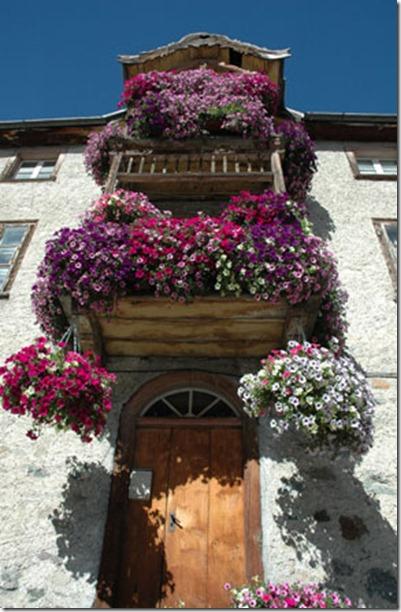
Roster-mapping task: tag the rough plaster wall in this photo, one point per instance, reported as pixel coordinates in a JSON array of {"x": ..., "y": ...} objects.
[
  {"x": 336, "y": 521},
  {"x": 40, "y": 480},
  {"x": 55, "y": 491}
]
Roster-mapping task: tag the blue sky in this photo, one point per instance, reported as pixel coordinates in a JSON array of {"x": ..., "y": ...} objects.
[{"x": 58, "y": 58}]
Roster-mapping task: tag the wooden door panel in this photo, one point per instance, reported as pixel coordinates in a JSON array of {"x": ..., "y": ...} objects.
[
  {"x": 188, "y": 500},
  {"x": 197, "y": 478},
  {"x": 142, "y": 575},
  {"x": 226, "y": 560}
]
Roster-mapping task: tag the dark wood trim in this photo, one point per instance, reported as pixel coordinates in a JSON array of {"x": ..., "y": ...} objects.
[
  {"x": 129, "y": 423},
  {"x": 376, "y": 177},
  {"x": 188, "y": 422}
]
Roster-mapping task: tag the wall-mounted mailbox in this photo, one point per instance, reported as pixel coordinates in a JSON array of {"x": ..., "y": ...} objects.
[{"x": 140, "y": 484}]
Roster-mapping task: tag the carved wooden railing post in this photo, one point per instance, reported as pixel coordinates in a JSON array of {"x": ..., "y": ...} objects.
[
  {"x": 278, "y": 177},
  {"x": 111, "y": 182}
]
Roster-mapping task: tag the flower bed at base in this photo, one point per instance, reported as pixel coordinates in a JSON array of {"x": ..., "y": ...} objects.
[
  {"x": 315, "y": 390},
  {"x": 68, "y": 390},
  {"x": 269, "y": 253},
  {"x": 283, "y": 596}
]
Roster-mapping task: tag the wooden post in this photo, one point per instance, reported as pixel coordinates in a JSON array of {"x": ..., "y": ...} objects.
[
  {"x": 111, "y": 182},
  {"x": 275, "y": 160}
]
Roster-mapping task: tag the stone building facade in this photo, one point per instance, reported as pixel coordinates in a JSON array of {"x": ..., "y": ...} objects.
[{"x": 324, "y": 520}]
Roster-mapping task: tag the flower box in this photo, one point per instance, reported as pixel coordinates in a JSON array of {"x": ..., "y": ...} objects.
[{"x": 205, "y": 327}]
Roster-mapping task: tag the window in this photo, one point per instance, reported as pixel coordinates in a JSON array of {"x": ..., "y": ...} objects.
[
  {"x": 14, "y": 238},
  {"x": 374, "y": 164},
  {"x": 387, "y": 232},
  {"x": 377, "y": 166},
  {"x": 34, "y": 170},
  {"x": 189, "y": 403},
  {"x": 33, "y": 165}
]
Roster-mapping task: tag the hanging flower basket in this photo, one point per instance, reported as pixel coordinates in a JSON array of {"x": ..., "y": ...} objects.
[
  {"x": 316, "y": 391},
  {"x": 68, "y": 391}
]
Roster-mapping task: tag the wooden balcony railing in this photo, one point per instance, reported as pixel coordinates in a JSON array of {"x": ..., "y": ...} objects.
[{"x": 200, "y": 167}]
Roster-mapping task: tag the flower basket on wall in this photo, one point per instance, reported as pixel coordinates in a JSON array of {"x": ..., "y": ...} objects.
[
  {"x": 314, "y": 390},
  {"x": 65, "y": 390}
]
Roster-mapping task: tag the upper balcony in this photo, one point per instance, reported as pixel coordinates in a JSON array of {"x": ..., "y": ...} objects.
[{"x": 201, "y": 167}]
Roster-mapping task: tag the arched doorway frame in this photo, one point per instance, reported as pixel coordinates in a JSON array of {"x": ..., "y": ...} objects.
[{"x": 129, "y": 420}]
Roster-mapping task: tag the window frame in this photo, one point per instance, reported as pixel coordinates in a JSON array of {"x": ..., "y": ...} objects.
[
  {"x": 386, "y": 246},
  {"x": 20, "y": 252},
  {"x": 376, "y": 155},
  {"x": 37, "y": 155}
]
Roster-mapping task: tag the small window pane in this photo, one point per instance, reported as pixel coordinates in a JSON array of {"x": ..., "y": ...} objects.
[
  {"x": 28, "y": 164},
  {"x": 389, "y": 166},
  {"x": 45, "y": 173},
  {"x": 201, "y": 401},
  {"x": 13, "y": 235},
  {"x": 180, "y": 401},
  {"x": 220, "y": 410},
  {"x": 49, "y": 164},
  {"x": 392, "y": 231},
  {"x": 366, "y": 166},
  {"x": 23, "y": 173},
  {"x": 3, "y": 277},
  {"x": 7, "y": 254}
]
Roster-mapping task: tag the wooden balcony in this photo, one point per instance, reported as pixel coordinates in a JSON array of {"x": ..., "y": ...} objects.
[
  {"x": 209, "y": 166},
  {"x": 206, "y": 327}
]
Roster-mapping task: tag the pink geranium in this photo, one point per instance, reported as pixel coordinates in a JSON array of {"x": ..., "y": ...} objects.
[{"x": 67, "y": 390}]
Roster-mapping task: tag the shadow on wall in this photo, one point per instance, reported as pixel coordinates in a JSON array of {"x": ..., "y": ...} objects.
[
  {"x": 323, "y": 224},
  {"x": 79, "y": 520},
  {"x": 323, "y": 505}
]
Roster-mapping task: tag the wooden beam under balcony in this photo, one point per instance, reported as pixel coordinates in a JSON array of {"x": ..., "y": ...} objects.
[{"x": 206, "y": 327}]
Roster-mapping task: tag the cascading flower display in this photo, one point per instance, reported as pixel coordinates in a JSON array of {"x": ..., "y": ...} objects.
[
  {"x": 122, "y": 206},
  {"x": 90, "y": 263},
  {"x": 299, "y": 160},
  {"x": 181, "y": 104},
  {"x": 258, "y": 594},
  {"x": 316, "y": 390},
  {"x": 268, "y": 207},
  {"x": 97, "y": 152},
  {"x": 68, "y": 391},
  {"x": 272, "y": 255}
]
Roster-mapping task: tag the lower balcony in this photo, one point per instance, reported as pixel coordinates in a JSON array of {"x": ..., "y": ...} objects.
[{"x": 206, "y": 327}]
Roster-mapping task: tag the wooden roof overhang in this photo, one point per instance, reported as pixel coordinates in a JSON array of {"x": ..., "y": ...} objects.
[
  {"x": 215, "y": 51},
  {"x": 210, "y": 326}
]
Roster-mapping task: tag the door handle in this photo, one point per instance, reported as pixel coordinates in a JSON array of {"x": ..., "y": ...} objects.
[{"x": 174, "y": 522}]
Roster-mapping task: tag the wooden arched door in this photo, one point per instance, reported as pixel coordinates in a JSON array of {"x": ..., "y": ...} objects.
[{"x": 190, "y": 499}]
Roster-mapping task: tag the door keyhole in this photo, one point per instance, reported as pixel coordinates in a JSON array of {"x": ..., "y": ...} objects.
[{"x": 174, "y": 522}]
